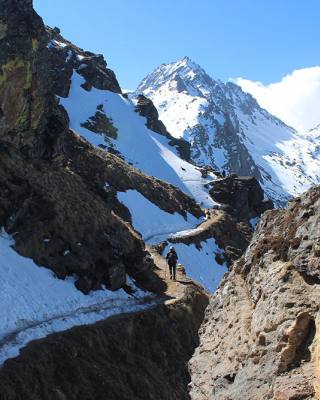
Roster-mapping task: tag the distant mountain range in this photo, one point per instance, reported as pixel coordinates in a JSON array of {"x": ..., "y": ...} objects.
[{"x": 228, "y": 130}]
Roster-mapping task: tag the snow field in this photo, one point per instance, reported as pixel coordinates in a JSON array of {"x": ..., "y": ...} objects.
[
  {"x": 191, "y": 105},
  {"x": 145, "y": 149}
]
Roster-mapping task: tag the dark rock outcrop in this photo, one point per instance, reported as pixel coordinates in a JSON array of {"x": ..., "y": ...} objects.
[
  {"x": 260, "y": 336},
  {"x": 65, "y": 57},
  {"x": 30, "y": 112},
  {"x": 100, "y": 123},
  {"x": 242, "y": 197},
  {"x": 230, "y": 235},
  {"x": 146, "y": 108}
]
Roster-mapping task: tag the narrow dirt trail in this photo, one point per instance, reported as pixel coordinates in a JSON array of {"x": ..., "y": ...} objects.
[
  {"x": 175, "y": 289},
  {"x": 12, "y": 342},
  {"x": 212, "y": 217}
]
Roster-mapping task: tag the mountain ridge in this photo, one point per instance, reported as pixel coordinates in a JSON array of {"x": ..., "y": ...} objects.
[{"x": 227, "y": 129}]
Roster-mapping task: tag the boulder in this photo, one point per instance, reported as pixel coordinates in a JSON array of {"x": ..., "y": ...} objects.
[{"x": 241, "y": 196}]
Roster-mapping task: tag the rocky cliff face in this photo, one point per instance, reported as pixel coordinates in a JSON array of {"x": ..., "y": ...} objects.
[
  {"x": 259, "y": 336},
  {"x": 53, "y": 183},
  {"x": 242, "y": 197},
  {"x": 29, "y": 110}
]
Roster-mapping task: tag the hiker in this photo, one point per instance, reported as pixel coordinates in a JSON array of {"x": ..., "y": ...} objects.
[
  {"x": 172, "y": 259},
  {"x": 223, "y": 173}
]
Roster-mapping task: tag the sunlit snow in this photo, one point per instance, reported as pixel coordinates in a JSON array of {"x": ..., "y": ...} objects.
[
  {"x": 200, "y": 264},
  {"x": 153, "y": 223},
  {"x": 191, "y": 104},
  {"x": 34, "y": 303},
  {"x": 145, "y": 149}
]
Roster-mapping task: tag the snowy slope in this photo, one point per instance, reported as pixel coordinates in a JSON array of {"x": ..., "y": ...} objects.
[
  {"x": 154, "y": 224},
  {"x": 143, "y": 148},
  {"x": 200, "y": 264},
  {"x": 34, "y": 303},
  {"x": 229, "y": 130}
]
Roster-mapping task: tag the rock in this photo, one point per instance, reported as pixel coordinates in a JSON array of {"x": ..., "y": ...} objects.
[
  {"x": 146, "y": 108},
  {"x": 64, "y": 59},
  {"x": 240, "y": 196},
  {"x": 259, "y": 338},
  {"x": 98, "y": 75},
  {"x": 84, "y": 284},
  {"x": 181, "y": 269},
  {"x": 116, "y": 277},
  {"x": 100, "y": 123}
]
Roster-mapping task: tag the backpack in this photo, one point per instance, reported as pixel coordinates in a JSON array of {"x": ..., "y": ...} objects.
[{"x": 172, "y": 257}]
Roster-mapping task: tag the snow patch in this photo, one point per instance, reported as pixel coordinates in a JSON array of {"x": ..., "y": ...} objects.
[
  {"x": 200, "y": 264},
  {"x": 55, "y": 43},
  {"x": 34, "y": 303},
  {"x": 154, "y": 224}
]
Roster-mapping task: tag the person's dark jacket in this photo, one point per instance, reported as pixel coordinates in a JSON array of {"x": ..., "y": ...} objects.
[{"x": 172, "y": 257}]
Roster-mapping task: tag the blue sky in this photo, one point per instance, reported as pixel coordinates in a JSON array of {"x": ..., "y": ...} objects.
[{"x": 254, "y": 39}]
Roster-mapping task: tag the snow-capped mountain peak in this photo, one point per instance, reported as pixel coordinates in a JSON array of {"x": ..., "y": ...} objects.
[
  {"x": 184, "y": 75},
  {"x": 314, "y": 133},
  {"x": 227, "y": 129}
]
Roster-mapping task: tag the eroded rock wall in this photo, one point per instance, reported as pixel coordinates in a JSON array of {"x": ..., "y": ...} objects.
[{"x": 258, "y": 339}]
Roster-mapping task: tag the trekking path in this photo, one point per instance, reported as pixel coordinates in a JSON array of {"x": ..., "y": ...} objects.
[
  {"x": 28, "y": 329},
  {"x": 13, "y": 341},
  {"x": 212, "y": 218},
  {"x": 175, "y": 289}
]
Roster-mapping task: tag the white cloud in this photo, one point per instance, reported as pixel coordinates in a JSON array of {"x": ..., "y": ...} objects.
[{"x": 295, "y": 99}]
